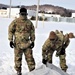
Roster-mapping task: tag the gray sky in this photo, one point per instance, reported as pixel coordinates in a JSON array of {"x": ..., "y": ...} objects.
[{"x": 70, "y": 4}]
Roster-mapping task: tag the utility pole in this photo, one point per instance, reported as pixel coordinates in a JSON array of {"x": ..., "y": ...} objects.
[
  {"x": 20, "y": 4},
  {"x": 10, "y": 10},
  {"x": 37, "y": 13},
  {"x": 43, "y": 16}
]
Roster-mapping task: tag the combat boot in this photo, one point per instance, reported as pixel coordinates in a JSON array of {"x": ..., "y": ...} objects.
[
  {"x": 64, "y": 70},
  {"x": 19, "y": 73}
]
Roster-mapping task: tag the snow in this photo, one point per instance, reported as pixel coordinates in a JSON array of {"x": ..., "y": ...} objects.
[{"x": 42, "y": 32}]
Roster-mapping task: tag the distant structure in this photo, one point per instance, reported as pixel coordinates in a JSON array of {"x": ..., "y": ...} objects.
[
  {"x": 73, "y": 15},
  {"x": 49, "y": 11},
  {"x": 3, "y": 13},
  {"x": 48, "y": 15},
  {"x": 41, "y": 15},
  {"x": 14, "y": 12}
]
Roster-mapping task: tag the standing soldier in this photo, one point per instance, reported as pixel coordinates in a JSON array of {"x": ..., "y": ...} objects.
[
  {"x": 56, "y": 41},
  {"x": 21, "y": 35}
]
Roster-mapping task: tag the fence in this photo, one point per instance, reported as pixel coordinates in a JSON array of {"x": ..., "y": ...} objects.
[{"x": 61, "y": 19}]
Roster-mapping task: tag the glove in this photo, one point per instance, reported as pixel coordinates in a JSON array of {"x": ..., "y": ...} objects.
[
  {"x": 44, "y": 61},
  {"x": 62, "y": 52},
  {"x": 32, "y": 45},
  {"x": 57, "y": 54},
  {"x": 11, "y": 44}
]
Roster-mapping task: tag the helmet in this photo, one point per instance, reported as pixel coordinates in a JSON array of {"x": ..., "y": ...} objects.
[
  {"x": 71, "y": 35},
  {"x": 23, "y": 11},
  {"x": 52, "y": 35}
]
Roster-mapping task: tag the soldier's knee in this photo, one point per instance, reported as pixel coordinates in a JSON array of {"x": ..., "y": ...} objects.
[{"x": 62, "y": 57}]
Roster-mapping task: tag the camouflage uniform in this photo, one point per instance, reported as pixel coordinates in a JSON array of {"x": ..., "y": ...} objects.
[
  {"x": 22, "y": 33},
  {"x": 49, "y": 47}
]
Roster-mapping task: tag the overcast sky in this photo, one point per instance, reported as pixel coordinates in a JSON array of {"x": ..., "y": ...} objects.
[{"x": 70, "y": 4}]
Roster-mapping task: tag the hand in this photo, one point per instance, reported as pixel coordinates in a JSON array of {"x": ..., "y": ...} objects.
[
  {"x": 32, "y": 45},
  {"x": 44, "y": 61},
  {"x": 11, "y": 44},
  {"x": 62, "y": 52}
]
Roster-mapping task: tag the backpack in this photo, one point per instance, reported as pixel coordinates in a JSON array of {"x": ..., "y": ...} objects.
[{"x": 60, "y": 35}]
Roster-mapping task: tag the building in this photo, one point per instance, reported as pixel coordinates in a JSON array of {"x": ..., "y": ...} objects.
[
  {"x": 14, "y": 12},
  {"x": 48, "y": 15},
  {"x": 73, "y": 15},
  {"x": 3, "y": 13}
]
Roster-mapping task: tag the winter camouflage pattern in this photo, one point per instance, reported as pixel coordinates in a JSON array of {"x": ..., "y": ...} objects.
[
  {"x": 28, "y": 56},
  {"x": 49, "y": 47},
  {"x": 22, "y": 33}
]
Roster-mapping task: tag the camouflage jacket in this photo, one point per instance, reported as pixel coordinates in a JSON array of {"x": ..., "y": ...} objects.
[
  {"x": 21, "y": 31},
  {"x": 62, "y": 41}
]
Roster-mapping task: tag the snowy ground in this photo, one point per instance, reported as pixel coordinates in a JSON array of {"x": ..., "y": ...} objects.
[{"x": 42, "y": 32}]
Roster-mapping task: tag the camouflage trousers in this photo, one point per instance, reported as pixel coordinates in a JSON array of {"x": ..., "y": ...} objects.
[
  {"x": 63, "y": 62},
  {"x": 61, "y": 57},
  {"x": 28, "y": 56}
]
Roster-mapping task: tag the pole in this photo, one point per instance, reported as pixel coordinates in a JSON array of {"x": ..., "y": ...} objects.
[
  {"x": 43, "y": 18},
  {"x": 10, "y": 10},
  {"x": 37, "y": 14},
  {"x": 20, "y": 4}
]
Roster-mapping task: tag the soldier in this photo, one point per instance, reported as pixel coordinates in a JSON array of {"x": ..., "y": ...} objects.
[
  {"x": 21, "y": 34},
  {"x": 59, "y": 42}
]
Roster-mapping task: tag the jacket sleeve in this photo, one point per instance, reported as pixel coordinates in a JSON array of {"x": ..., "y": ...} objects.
[
  {"x": 11, "y": 31},
  {"x": 32, "y": 36},
  {"x": 66, "y": 41},
  {"x": 45, "y": 48}
]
